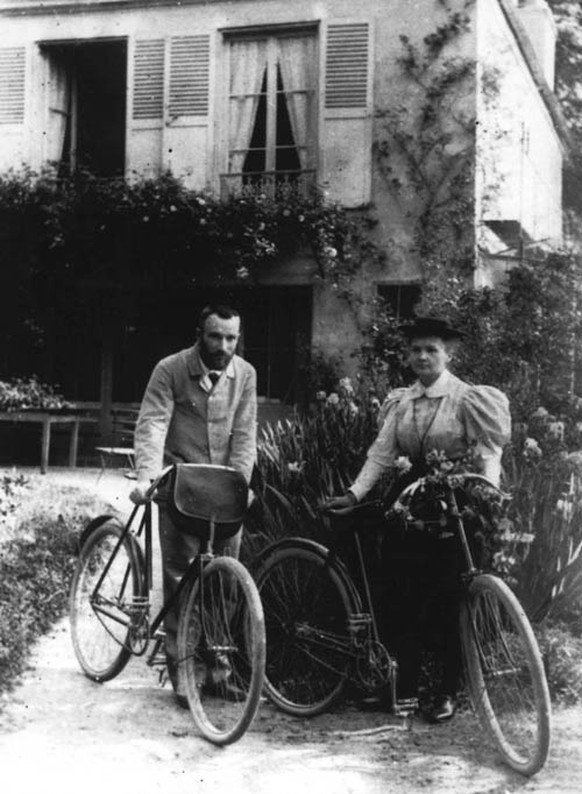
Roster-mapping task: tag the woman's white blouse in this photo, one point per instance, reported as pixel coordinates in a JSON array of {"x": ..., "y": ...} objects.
[{"x": 449, "y": 416}]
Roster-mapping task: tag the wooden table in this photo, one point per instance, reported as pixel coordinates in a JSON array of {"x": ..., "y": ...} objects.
[{"x": 47, "y": 419}]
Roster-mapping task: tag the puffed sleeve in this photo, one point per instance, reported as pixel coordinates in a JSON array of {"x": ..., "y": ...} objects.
[
  {"x": 390, "y": 403},
  {"x": 383, "y": 451},
  {"x": 488, "y": 426}
]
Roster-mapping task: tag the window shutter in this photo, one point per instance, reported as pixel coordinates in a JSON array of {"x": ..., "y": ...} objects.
[
  {"x": 346, "y": 72},
  {"x": 347, "y": 113},
  {"x": 189, "y": 76},
  {"x": 12, "y": 75},
  {"x": 148, "y": 81}
]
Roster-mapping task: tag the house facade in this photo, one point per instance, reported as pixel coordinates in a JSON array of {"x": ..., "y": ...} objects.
[{"x": 224, "y": 92}]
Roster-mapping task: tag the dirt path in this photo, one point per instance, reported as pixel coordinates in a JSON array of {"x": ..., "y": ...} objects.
[{"x": 62, "y": 734}]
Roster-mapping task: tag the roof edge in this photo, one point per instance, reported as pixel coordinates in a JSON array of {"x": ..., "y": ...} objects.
[{"x": 547, "y": 94}]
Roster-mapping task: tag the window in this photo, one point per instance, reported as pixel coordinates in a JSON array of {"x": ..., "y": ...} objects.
[
  {"x": 271, "y": 112},
  {"x": 86, "y": 84},
  {"x": 400, "y": 298},
  {"x": 276, "y": 338}
]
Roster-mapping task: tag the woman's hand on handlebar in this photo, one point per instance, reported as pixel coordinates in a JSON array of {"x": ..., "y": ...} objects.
[
  {"x": 139, "y": 494},
  {"x": 339, "y": 502}
]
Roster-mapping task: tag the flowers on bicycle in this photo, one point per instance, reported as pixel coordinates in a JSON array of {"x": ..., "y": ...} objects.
[
  {"x": 402, "y": 465},
  {"x": 431, "y": 503}
]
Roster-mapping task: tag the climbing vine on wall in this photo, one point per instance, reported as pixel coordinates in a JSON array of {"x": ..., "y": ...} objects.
[{"x": 426, "y": 144}]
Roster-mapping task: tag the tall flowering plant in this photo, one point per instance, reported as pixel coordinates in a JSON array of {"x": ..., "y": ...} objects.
[
  {"x": 543, "y": 470},
  {"x": 303, "y": 460}
]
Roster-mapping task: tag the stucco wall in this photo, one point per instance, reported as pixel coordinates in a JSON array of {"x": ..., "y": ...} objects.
[{"x": 518, "y": 150}]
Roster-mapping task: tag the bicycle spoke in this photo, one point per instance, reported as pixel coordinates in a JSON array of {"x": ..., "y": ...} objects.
[
  {"x": 506, "y": 674},
  {"x": 103, "y": 598},
  {"x": 308, "y": 639},
  {"x": 221, "y": 650}
]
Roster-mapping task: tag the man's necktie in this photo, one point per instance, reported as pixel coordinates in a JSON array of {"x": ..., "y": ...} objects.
[{"x": 214, "y": 376}]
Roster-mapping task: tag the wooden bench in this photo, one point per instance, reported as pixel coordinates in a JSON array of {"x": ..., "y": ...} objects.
[{"x": 124, "y": 420}]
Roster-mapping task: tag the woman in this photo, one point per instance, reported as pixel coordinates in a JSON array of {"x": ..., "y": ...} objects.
[{"x": 441, "y": 413}]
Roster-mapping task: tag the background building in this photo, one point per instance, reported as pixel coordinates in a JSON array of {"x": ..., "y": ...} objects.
[{"x": 235, "y": 92}]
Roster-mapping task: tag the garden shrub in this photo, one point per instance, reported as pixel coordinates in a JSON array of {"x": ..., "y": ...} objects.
[
  {"x": 521, "y": 336},
  {"x": 11, "y": 489},
  {"x": 30, "y": 394},
  {"x": 35, "y": 576},
  {"x": 36, "y": 566}
]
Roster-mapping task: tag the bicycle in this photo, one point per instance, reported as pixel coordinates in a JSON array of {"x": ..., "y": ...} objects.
[
  {"x": 221, "y": 630},
  {"x": 322, "y": 633}
]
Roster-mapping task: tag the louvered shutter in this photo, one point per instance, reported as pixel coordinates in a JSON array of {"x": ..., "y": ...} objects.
[
  {"x": 146, "y": 128},
  {"x": 148, "y": 79},
  {"x": 12, "y": 76},
  {"x": 171, "y": 99},
  {"x": 189, "y": 76},
  {"x": 186, "y": 137},
  {"x": 346, "y": 71},
  {"x": 347, "y": 143}
]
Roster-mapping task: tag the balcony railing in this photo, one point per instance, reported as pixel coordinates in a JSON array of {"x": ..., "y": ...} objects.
[{"x": 269, "y": 183}]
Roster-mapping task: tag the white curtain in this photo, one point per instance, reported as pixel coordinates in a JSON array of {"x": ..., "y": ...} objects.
[
  {"x": 297, "y": 61},
  {"x": 248, "y": 61},
  {"x": 59, "y": 104}
]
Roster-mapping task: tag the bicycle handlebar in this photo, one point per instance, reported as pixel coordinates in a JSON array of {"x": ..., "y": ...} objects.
[
  {"x": 410, "y": 489},
  {"x": 154, "y": 486}
]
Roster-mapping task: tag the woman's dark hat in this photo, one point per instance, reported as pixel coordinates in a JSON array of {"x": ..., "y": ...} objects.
[{"x": 431, "y": 326}]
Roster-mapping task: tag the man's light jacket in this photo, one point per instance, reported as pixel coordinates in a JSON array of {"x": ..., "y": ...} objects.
[{"x": 182, "y": 420}]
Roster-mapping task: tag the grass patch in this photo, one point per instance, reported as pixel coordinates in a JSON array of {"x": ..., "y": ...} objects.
[
  {"x": 38, "y": 550},
  {"x": 562, "y": 653}
]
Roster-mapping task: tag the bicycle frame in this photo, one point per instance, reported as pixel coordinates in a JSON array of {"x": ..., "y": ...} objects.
[
  {"x": 367, "y": 620},
  {"x": 139, "y": 609},
  {"x": 372, "y": 665}
]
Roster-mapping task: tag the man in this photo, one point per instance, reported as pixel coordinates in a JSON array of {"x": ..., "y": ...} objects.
[{"x": 200, "y": 406}]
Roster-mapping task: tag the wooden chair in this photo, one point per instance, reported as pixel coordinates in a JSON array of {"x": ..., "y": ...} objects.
[{"x": 124, "y": 420}]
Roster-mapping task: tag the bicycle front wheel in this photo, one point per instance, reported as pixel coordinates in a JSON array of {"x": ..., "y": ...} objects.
[
  {"x": 104, "y": 592},
  {"x": 307, "y": 610},
  {"x": 221, "y": 650},
  {"x": 505, "y": 673}
]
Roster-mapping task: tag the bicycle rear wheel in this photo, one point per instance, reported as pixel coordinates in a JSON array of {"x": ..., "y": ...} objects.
[
  {"x": 101, "y": 619},
  {"x": 505, "y": 674},
  {"x": 221, "y": 650},
  {"x": 307, "y": 609}
]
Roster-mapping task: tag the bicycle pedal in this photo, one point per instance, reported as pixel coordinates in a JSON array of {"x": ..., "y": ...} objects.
[
  {"x": 157, "y": 657},
  {"x": 406, "y": 707},
  {"x": 163, "y": 676}
]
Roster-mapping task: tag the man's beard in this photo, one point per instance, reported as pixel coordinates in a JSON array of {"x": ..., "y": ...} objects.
[{"x": 219, "y": 360}]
